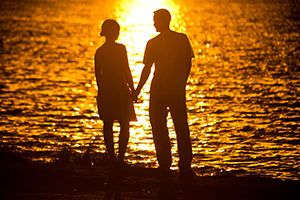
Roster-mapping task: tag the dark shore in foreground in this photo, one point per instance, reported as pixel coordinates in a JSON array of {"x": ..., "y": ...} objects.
[{"x": 23, "y": 179}]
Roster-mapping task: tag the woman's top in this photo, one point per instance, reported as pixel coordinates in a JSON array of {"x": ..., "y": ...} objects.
[{"x": 113, "y": 74}]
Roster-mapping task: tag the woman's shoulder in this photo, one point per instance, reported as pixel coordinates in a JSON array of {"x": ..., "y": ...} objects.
[
  {"x": 121, "y": 46},
  {"x": 99, "y": 50}
]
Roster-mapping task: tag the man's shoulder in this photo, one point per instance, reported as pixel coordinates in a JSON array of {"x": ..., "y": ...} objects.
[
  {"x": 152, "y": 42},
  {"x": 154, "y": 39},
  {"x": 174, "y": 33},
  {"x": 172, "y": 36}
]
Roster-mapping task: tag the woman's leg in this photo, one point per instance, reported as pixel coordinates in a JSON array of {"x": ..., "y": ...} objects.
[
  {"x": 123, "y": 139},
  {"x": 109, "y": 139}
]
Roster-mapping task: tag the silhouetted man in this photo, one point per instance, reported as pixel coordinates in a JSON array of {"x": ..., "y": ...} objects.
[{"x": 171, "y": 53}]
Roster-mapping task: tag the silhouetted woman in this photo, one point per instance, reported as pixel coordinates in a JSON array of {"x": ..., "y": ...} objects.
[{"x": 115, "y": 86}]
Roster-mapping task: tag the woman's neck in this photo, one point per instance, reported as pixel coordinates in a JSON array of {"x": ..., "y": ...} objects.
[{"x": 110, "y": 40}]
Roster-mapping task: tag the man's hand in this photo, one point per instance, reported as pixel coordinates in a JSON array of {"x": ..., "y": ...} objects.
[{"x": 144, "y": 76}]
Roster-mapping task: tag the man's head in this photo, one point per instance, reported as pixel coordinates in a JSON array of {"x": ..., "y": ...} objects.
[{"x": 162, "y": 18}]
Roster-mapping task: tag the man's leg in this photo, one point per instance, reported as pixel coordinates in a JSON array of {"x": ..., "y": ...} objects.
[
  {"x": 158, "y": 118},
  {"x": 179, "y": 116}
]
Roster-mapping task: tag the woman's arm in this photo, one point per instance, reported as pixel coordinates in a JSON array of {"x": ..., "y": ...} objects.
[
  {"x": 98, "y": 70},
  {"x": 128, "y": 75}
]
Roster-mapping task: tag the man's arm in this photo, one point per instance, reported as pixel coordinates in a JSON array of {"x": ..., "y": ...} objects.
[
  {"x": 189, "y": 65},
  {"x": 190, "y": 56},
  {"x": 144, "y": 77}
]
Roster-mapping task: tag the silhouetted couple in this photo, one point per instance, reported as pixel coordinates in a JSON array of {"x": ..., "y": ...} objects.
[{"x": 171, "y": 53}]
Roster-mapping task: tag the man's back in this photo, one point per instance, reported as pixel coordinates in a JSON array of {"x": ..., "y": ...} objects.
[{"x": 170, "y": 52}]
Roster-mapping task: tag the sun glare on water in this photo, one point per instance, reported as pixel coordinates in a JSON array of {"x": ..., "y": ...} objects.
[{"x": 136, "y": 20}]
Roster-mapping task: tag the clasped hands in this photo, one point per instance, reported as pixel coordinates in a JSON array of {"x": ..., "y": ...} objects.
[{"x": 134, "y": 95}]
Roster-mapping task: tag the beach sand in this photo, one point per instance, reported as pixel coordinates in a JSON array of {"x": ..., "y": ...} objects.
[{"x": 24, "y": 179}]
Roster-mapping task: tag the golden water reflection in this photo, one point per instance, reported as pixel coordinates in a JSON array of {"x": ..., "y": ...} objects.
[{"x": 242, "y": 94}]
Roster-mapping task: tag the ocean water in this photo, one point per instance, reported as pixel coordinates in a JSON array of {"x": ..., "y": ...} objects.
[{"x": 242, "y": 94}]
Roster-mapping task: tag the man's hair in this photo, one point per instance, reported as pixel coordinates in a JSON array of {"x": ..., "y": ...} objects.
[
  {"x": 109, "y": 26},
  {"x": 163, "y": 15}
]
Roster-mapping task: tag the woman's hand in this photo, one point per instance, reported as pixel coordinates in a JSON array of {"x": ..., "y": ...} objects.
[{"x": 135, "y": 95}]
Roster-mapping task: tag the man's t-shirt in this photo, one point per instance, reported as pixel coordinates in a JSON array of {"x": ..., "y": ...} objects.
[{"x": 171, "y": 53}]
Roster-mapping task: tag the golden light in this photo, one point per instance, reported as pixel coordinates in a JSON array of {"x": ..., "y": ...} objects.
[{"x": 136, "y": 20}]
